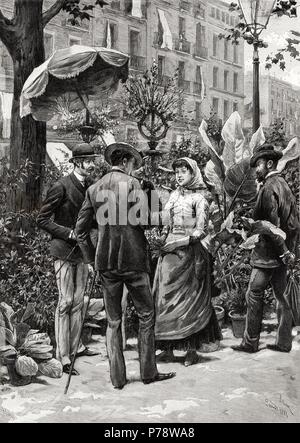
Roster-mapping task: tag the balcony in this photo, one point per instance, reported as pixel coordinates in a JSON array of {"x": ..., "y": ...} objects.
[
  {"x": 199, "y": 12},
  {"x": 182, "y": 45},
  {"x": 201, "y": 52},
  {"x": 138, "y": 63},
  {"x": 185, "y": 5},
  {"x": 115, "y": 5},
  {"x": 197, "y": 88},
  {"x": 185, "y": 85}
]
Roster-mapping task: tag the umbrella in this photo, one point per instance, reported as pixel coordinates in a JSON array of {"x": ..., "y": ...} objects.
[{"x": 79, "y": 71}]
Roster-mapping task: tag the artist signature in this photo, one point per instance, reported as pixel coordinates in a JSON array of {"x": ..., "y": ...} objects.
[{"x": 281, "y": 407}]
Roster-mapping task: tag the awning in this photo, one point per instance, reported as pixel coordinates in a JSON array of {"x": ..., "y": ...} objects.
[
  {"x": 167, "y": 34},
  {"x": 137, "y": 9},
  {"x": 6, "y": 107}
]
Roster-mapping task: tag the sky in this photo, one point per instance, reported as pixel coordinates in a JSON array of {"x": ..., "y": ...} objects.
[{"x": 275, "y": 35}]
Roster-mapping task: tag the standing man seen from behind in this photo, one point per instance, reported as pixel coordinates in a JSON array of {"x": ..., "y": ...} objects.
[
  {"x": 58, "y": 217},
  {"x": 270, "y": 259},
  {"x": 122, "y": 258}
]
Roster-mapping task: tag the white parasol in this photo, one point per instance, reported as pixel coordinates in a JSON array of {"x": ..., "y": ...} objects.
[{"x": 83, "y": 72}]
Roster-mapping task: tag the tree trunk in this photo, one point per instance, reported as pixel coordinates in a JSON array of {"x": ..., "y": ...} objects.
[{"x": 28, "y": 137}]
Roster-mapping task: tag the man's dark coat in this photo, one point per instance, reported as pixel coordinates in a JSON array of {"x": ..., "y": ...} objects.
[
  {"x": 276, "y": 204},
  {"x": 58, "y": 216},
  {"x": 122, "y": 246}
]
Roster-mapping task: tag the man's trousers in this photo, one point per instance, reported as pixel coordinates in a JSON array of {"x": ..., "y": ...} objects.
[
  {"x": 259, "y": 281},
  {"x": 71, "y": 282},
  {"x": 138, "y": 285}
]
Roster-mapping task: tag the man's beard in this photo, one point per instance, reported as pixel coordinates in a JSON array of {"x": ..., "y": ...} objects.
[{"x": 260, "y": 177}]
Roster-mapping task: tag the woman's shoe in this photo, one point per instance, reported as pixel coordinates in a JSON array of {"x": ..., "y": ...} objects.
[
  {"x": 191, "y": 359},
  {"x": 165, "y": 357}
]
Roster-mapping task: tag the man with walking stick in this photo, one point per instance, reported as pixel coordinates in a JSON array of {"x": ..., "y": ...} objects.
[
  {"x": 270, "y": 259},
  {"x": 122, "y": 257},
  {"x": 58, "y": 217}
]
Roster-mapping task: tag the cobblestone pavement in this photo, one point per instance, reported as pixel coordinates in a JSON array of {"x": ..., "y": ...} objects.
[{"x": 224, "y": 387}]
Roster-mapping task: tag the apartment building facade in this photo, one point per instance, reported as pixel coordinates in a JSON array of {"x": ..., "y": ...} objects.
[
  {"x": 278, "y": 99},
  {"x": 178, "y": 34}
]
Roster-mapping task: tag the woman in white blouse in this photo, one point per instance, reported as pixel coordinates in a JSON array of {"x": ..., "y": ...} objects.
[{"x": 185, "y": 318}]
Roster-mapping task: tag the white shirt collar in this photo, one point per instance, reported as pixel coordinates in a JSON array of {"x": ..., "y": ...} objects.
[{"x": 79, "y": 177}]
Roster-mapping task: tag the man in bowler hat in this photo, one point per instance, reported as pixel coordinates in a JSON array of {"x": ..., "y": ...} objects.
[
  {"x": 270, "y": 259},
  {"x": 122, "y": 258},
  {"x": 58, "y": 217}
]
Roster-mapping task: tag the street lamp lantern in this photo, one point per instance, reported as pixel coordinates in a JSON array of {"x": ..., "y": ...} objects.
[{"x": 256, "y": 14}]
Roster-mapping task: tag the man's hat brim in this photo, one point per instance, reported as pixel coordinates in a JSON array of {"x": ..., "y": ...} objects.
[
  {"x": 126, "y": 148},
  {"x": 268, "y": 155},
  {"x": 79, "y": 157}
]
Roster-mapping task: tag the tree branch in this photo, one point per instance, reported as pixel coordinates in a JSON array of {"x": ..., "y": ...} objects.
[
  {"x": 53, "y": 11},
  {"x": 6, "y": 30}
]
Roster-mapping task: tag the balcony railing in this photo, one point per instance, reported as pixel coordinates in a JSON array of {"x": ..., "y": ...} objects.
[
  {"x": 182, "y": 45},
  {"x": 201, "y": 51},
  {"x": 137, "y": 62},
  {"x": 185, "y": 5},
  {"x": 185, "y": 85},
  {"x": 115, "y": 5},
  {"x": 197, "y": 88},
  {"x": 199, "y": 12}
]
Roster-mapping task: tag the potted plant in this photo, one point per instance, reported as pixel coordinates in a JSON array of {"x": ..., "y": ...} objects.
[{"x": 237, "y": 314}]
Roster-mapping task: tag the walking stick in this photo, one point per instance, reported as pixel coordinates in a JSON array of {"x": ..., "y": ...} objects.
[{"x": 79, "y": 337}]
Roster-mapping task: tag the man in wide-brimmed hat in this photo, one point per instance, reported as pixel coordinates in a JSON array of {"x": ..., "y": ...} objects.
[
  {"x": 122, "y": 257},
  {"x": 270, "y": 259},
  {"x": 58, "y": 217}
]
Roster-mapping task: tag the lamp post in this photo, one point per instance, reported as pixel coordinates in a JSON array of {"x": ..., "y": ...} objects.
[{"x": 256, "y": 14}]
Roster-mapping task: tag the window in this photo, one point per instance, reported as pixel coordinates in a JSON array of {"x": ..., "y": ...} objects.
[
  {"x": 223, "y": 16},
  {"x": 134, "y": 42},
  {"x": 235, "y": 54},
  {"x": 161, "y": 67},
  {"x": 225, "y": 49},
  {"x": 226, "y": 75},
  {"x": 235, "y": 82},
  {"x": 49, "y": 44},
  {"x": 213, "y": 12},
  {"x": 215, "y": 77},
  {"x": 227, "y": 18},
  {"x": 232, "y": 21},
  {"x": 235, "y": 107},
  {"x": 218, "y": 14},
  {"x": 114, "y": 35},
  {"x": 181, "y": 73},
  {"x": 215, "y": 105},
  {"x": 181, "y": 26},
  {"x": 226, "y": 110},
  {"x": 198, "y": 111},
  {"x": 74, "y": 41},
  {"x": 215, "y": 45}
]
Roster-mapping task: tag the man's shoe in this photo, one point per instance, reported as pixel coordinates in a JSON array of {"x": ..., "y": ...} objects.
[
  {"x": 67, "y": 370},
  {"x": 160, "y": 377},
  {"x": 276, "y": 348},
  {"x": 244, "y": 348},
  {"x": 87, "y": 353}
]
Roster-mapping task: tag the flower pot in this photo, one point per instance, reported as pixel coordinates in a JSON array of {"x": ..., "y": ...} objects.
[
  {"x": 220, "y": 313},
  {"x": 15, "y": 378},
  {"x": 238, "y": 322}
]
